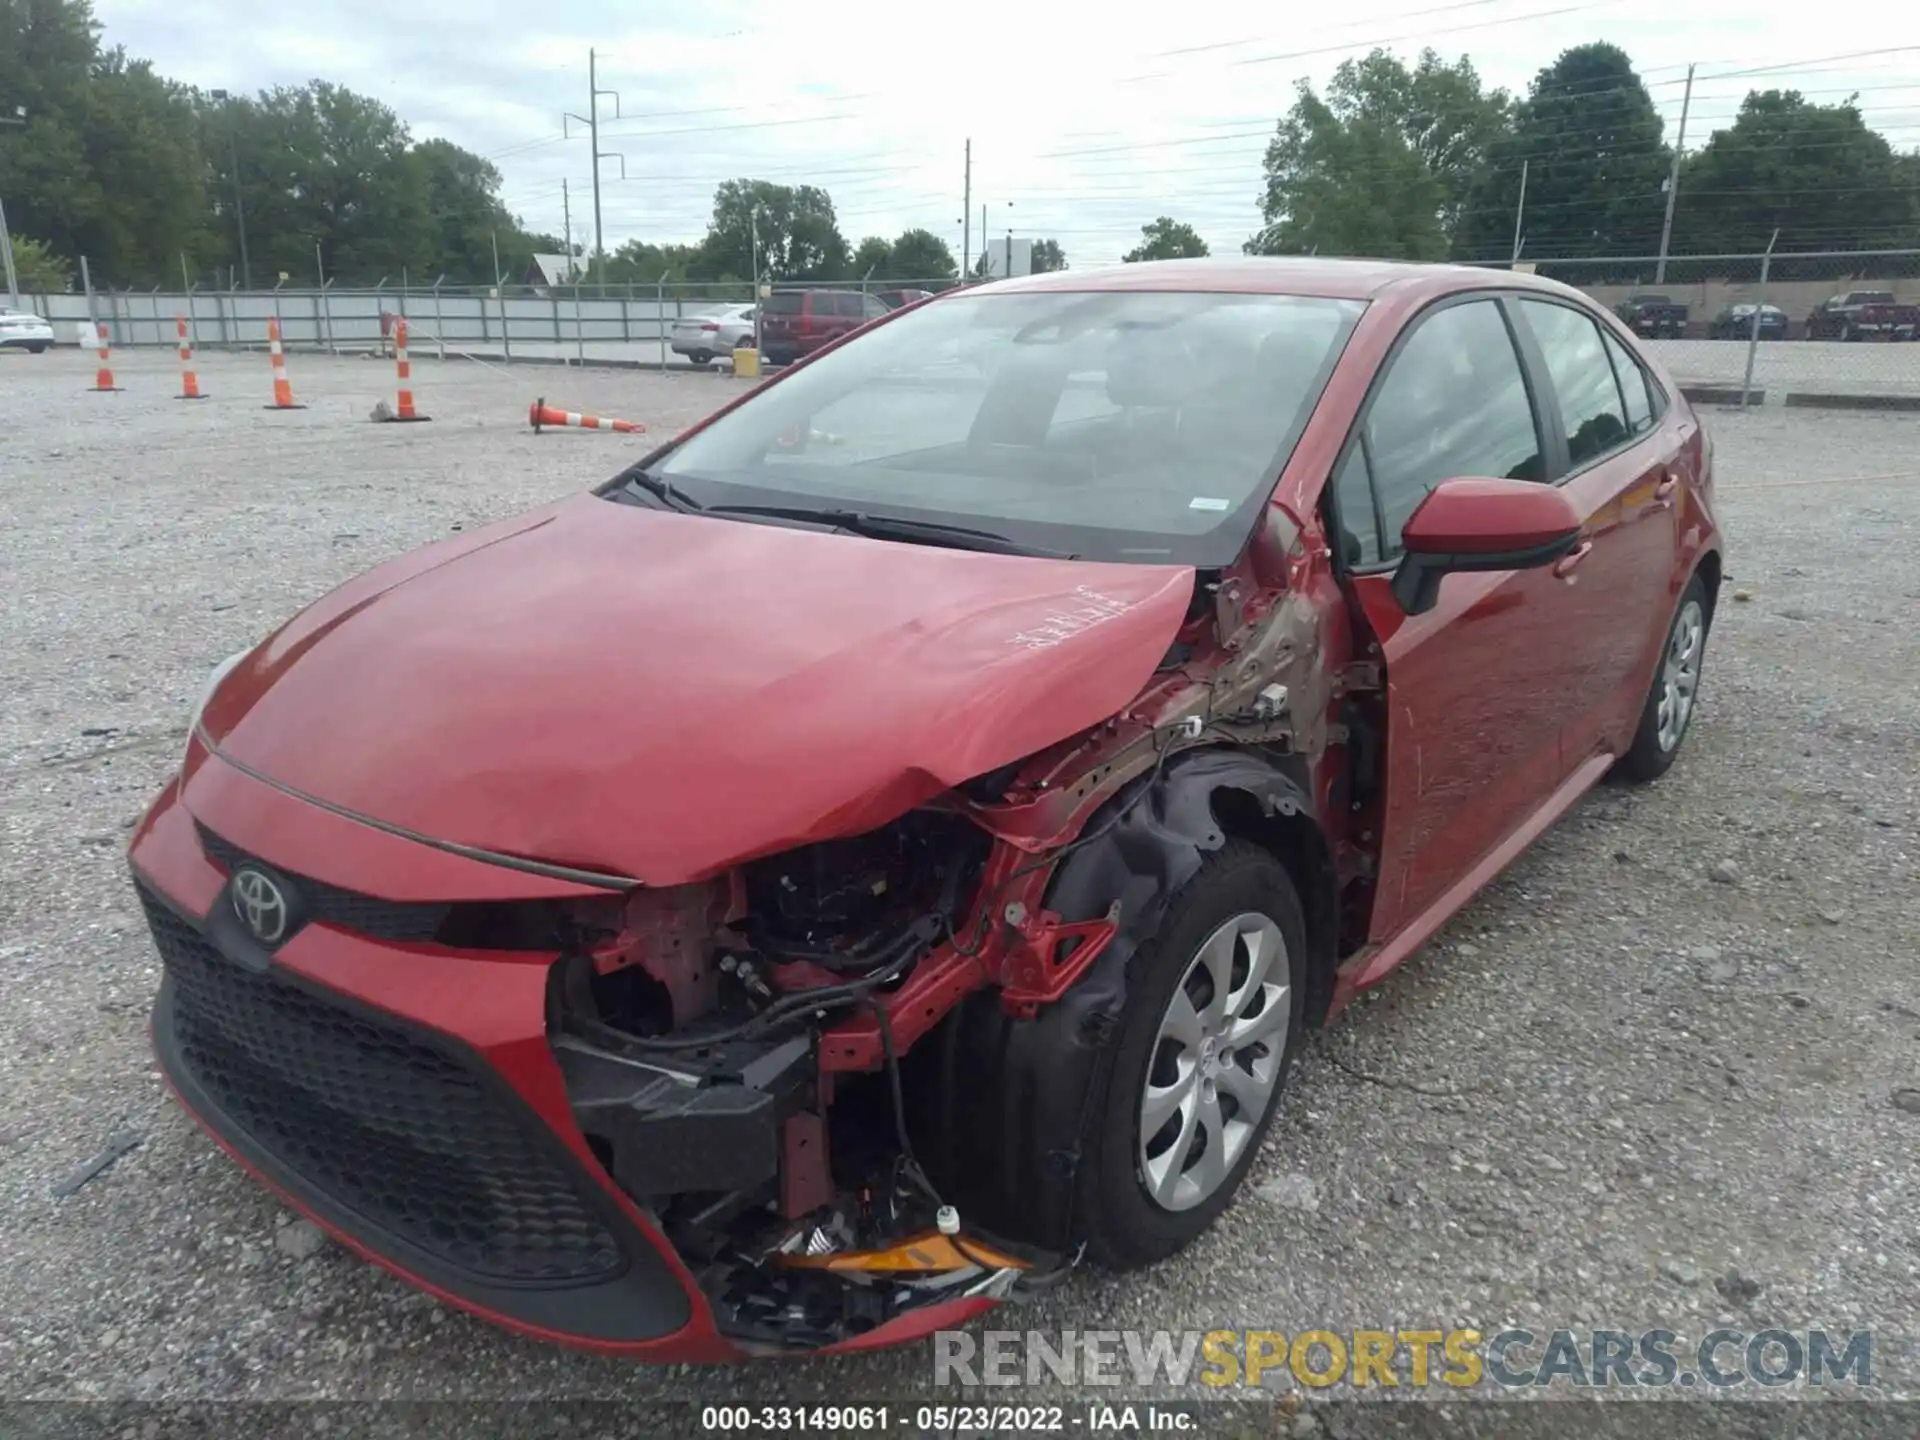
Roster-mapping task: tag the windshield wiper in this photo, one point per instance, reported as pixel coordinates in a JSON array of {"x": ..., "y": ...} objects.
[
  {"x": 891, "y": 527},
  {"x": 665, "y": 491}
]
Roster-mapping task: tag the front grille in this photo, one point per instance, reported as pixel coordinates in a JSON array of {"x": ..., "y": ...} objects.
[
  {"x": 397, "y": 1131},
  {"x": 399, "y": 920}
]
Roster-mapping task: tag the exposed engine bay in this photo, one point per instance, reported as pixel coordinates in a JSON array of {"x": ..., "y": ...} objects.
[
  {"x": 732, "y": 1048},
  {"x": 689, "y": 1025}
]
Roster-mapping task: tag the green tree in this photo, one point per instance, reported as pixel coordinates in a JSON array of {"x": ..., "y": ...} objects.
[
  {"x": 1166, "y": 239},
  {"x": 464, "y": 213},
  {"x": 873, "y": 257},
  {"x": 1814, "y": 171},
  {"x": 1589, "y": 140},
  {"x": 919, "y": 255},
  {"x": 1383, "y": 164},
  {"x": 799, "y": 236},
  {"x": 639, "y": 262},
  {"x": 1047, "y": 255},
  {"x": 107, "y": 165},
  {"x": 38, "y": 269}
]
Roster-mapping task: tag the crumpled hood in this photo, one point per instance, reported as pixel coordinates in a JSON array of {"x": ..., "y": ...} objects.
[{"x": 662, "y": 696}]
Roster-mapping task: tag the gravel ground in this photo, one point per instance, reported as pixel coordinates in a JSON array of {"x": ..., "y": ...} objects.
[{"x": 1654, "y": 1076}]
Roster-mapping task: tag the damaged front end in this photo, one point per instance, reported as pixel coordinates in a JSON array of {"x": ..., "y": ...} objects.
[{"x": 731, "y": 1051}]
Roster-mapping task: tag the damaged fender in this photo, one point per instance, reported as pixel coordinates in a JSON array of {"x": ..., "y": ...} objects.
[{"x": 1049, "y": 1065}]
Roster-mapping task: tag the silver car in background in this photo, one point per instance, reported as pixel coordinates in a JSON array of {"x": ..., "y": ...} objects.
[
  {"x": 20, "y": 330},
  {"x": 702, "y": 338}
]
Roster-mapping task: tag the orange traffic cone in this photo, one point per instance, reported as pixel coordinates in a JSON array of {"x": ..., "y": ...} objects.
[
  {"x": 539, "y": 414},
  {"x": 103, "y": 377},
  {"x": 404, "y": 409},
  {"x": 189, "y": 382},
  {"x": 282, "y": 391}
]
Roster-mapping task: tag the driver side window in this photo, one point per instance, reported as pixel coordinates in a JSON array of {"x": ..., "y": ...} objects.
[{"x": 1454, "y": 402}]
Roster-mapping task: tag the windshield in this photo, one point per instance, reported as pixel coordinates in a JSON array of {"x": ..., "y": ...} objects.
[{"x": 1110, "y": 425}]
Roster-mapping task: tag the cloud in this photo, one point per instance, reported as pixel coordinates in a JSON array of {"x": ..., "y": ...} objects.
[{"x": 1087, "y": 119}]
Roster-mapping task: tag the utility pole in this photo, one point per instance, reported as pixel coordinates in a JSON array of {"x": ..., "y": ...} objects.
[
  {"x": 1520, "y": 211},
  {"x": 239, "y": 209},
  {"x": 592, "y": 121},
  {"x": 19, "y": 117},
  {"x": 966, "y": 214},
  {"x": 1673, "y": 183}
]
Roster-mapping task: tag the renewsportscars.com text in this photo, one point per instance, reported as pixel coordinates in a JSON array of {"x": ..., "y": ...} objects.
[{"x": 1413, "y": 1357}]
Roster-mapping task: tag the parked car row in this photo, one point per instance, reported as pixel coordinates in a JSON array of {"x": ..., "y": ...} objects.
[
  {"x": 792, "y": 322},
  {"x": 1852, "y": 315}
]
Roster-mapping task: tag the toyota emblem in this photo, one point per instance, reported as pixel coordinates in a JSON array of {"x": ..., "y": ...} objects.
[{"x": 261, "y": 905}]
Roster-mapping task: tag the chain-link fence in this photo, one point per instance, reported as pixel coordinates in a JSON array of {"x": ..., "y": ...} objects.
[
  {"x": 589, "y": 322},
  {"x": 1802, "y": 328}
]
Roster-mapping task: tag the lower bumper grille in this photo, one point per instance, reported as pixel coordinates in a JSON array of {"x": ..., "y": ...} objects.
[{"x": 407, "y": 1137}]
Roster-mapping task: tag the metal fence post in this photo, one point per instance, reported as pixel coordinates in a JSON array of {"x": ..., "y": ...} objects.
[
  {"x": 439, "y": 325},
  {"x": 506, "y": 328},
  {"x": 1753, "y": 333},
  {"x": 626, "y": 315},
  {"x": 559, "y": 336},
  {"x": 660, "y": 316}
]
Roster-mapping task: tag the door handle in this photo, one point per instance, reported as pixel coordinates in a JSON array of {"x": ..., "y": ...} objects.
[{"x": 1566, "y": 564}]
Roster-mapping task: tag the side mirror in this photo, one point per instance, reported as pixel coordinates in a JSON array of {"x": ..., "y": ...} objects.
[{"x": 1481, "y": 525}]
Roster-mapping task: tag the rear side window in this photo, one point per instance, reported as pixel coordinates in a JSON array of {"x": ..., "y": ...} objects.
[
  {"x": 1453, "y": 403},
  {"x": 1634, "y": 386},
  {"x": 785, "y": 302},
  {"x": 872, "y": 306},
  {"x": 843, "y": 306},
  {"x": 1584, "y": 386}
]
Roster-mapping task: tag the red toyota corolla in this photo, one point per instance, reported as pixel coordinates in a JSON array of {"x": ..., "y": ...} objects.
[{"x": 888, "y": 842}]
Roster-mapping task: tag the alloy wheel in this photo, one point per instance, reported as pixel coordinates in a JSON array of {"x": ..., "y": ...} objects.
[
  {"x": 1680, "y": 674},
  {"x": 1215, "y": 1061}
]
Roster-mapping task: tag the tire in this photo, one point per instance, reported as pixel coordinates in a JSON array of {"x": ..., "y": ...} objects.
[
  {"x": 702, "y": 358},
  {"x": 1656, "y": 741},
  {"x": 1238, "y": 887},
  {"x": 39, "y": 348}
]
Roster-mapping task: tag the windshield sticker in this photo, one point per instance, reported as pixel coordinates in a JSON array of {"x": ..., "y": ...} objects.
[
  {"x": 1063, "y": 625},
  {"x": 1207, "y": 502}
]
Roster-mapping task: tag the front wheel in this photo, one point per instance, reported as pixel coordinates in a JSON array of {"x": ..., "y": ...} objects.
[
  {"x": 1211, "y": 1023},
  {"x": 1676, "y": 687},
  {"x": 37, "y": 349}
]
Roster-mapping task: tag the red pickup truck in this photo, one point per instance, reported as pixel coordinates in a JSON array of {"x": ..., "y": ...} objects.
[{"x": 1864, "y": 315}]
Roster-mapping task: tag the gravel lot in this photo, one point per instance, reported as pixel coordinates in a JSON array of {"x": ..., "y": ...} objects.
[{"x": 1614, "y": 1092}]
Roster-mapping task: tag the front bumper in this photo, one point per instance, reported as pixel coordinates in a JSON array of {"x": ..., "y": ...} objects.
[{"x": 405, "y": 1097}]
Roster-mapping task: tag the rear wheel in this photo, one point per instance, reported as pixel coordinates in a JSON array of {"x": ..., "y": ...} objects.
[
  {"x": 1676, "y": 688},
  {"x": 37, "y": 348},
  {"x": 702, "y": 358}
]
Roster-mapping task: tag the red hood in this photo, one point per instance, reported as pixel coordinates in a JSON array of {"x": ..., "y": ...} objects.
[{"x": 662, "y": 696}]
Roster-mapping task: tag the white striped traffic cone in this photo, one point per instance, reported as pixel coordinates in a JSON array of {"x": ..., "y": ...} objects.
[
  {"x": 403, "y": 410},
  {"x": 541, "y": 415},
  {"x": 189, "y": 382},
  {"x": 282, "y": 391}
]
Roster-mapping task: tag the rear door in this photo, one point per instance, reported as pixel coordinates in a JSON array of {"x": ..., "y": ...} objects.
[
  {"x": 1620, "y": 467},
  {"x": 779, "y": 314},
  {"x": 1475, "y": 704}
]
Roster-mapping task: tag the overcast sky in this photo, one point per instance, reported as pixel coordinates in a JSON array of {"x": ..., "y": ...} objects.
[{"x": 1087, "y": 119}]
